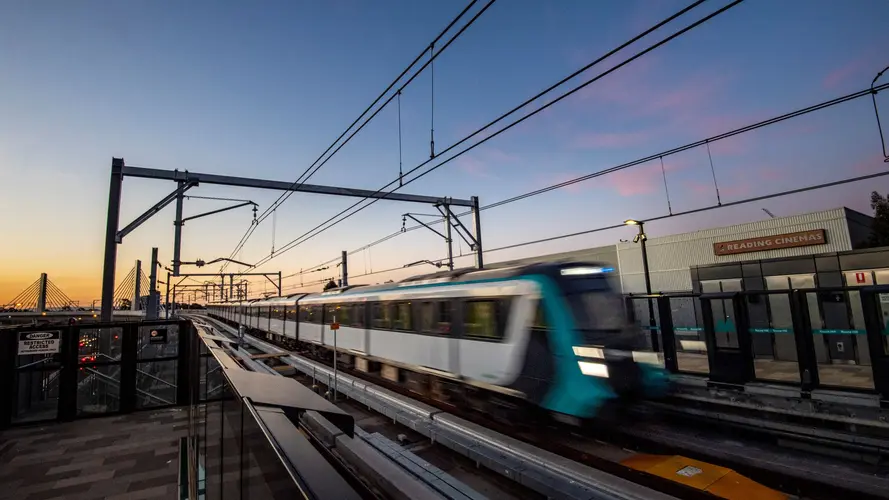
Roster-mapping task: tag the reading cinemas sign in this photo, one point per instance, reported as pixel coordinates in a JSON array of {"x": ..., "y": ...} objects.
[{"x": 789, "y": 240}]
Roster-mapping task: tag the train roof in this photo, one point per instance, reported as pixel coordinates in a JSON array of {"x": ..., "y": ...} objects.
[{"x": 456, "y": 276}]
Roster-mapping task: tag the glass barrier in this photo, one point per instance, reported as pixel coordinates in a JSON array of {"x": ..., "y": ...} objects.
[
  {"x": 772, "y": 334},
  {"x": 840, "y": 338},
  {"x": 691, "y": 348},
  {"x": 37, "y": 394},
  {"x": 235, "y": 455}
]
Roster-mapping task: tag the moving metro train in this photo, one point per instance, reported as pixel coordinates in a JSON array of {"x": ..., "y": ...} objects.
[{"x": 553, "y": 335}]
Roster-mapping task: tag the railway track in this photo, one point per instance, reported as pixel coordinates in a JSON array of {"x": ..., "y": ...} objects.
[{"x": 656, "y": 431}]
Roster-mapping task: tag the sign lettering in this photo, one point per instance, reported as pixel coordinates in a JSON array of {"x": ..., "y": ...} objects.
[
  {"x": 39, "y": 343},
  {"x": 158, "y": 336},
  {"x": 763, "y": 243}
]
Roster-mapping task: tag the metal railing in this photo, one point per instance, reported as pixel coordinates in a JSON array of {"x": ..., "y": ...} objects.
[{"x": 89, "y": 369}]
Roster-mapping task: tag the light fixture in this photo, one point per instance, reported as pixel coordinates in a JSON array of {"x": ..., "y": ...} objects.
[{"x": 631, "y": 222}]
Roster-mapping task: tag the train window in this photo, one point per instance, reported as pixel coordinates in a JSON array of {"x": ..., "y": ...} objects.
[
  {"x": 316, "y": 314},
  {"x": 304, "y": 314},
  {"x": 427, "y": 317},
  {"x": 358, "y": 315},
  {"x": 340, "y": 313},
  {"x": 435, "y": 317},
  {"x": 382, "y": 316},
  {"x": 480, "y": 320},
  {"x": 278, "y": 313},
  {"x": 289, "y": 314},
  {"x": 402, "y": 316},
  {"x": 444, "y": 316}
]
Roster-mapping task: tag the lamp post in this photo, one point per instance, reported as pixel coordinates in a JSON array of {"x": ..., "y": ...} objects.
[{"x": 640, "y": 238}]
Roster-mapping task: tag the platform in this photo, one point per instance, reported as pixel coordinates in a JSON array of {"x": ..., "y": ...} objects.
[{"x": 131, "y": 457}]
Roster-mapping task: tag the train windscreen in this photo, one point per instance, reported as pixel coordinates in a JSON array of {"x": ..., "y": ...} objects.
[{"x": 597, "y": 309}]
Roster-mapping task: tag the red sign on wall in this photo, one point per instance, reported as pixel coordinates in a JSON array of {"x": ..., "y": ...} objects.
[{"x": 859, "y": 278}]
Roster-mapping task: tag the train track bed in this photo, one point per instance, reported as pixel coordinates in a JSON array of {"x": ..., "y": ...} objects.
[{"x": 757, "y": 454}]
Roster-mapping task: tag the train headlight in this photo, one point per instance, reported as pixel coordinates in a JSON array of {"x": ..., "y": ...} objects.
[
  {"x": 648, "y": 358},
  {"x": 593, "y": 369},
  {"x": 589, "y": 352}
]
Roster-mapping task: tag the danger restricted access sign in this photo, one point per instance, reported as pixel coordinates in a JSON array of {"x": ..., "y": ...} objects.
[{"x": 39, "y": 343}]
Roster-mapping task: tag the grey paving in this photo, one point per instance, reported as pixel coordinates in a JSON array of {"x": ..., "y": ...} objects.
[{"x": 121, "y": 457}]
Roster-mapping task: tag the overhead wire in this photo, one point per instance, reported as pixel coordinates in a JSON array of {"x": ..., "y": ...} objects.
[
  {"x": 316, "y": 165},
  {"x": 646, "y": 159},
  {"x": 315, "y": 231}
]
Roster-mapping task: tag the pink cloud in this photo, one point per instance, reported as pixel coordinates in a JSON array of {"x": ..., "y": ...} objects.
[
  {"x": 609, "y": 140},
  {"x": 856, "y": 68},
  {"x": 484, "y": 161},
  {"x": 642, "y": 179},
  {"x": 632, "y": 182},
  {"x": 474, "y": 167},
  {"x": 772, "y": 173}
]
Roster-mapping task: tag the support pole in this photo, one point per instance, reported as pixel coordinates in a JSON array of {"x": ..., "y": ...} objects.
[
  {"x": 152, "y": 288},
  {"x": 448, "y": 239},
  {"x": 41, "y": 294},
  {"x": 652, "y": 322},
  {"x": 477, "y": 229},
  {"x": 280, "y": 290},
  {"x": 345, "y": 268},
  {"x": 177, "y": 231},
  {"x": 167, "y": 300},
  {"x": 231, "y": 286},
  {"x": 111, "y": 227},
  {"x": 137, "y": 289}
]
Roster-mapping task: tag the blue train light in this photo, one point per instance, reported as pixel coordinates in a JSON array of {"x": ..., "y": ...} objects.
[{"x": 582, "y": 271}]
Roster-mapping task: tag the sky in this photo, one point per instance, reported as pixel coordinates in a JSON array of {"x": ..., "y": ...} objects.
[{"x": 261, "y": 89}]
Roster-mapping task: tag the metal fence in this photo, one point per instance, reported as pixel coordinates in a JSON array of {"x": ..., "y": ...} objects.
[
  {"x": 65, "y": 372},
  {"x": 814, "y": 338}
]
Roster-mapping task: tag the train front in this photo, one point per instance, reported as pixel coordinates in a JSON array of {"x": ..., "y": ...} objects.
[{"x": 611, "y": 358}]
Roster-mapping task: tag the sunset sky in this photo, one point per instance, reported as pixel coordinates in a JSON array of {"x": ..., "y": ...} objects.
[{"x": 260, "y": 89}]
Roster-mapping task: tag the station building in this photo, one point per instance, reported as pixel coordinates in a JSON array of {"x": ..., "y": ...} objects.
[
  {"x": 818, "y": 249},
  {"x": 814, "y": 249}
]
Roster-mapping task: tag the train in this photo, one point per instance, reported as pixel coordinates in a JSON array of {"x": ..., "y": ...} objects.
[{"x": 552, "y": 336}]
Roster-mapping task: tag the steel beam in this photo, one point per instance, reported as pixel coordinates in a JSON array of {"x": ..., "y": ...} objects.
[
  {"x": 345, "y": 265},
  {"x": 477, "y": 230},
  {"x": 220, "y": 210},
  {"x": 225, "y": 180},
  {"x": 177, "y": 230},
  {"x": 117, "y": 166},
  {"x": 175, "y": 195}
]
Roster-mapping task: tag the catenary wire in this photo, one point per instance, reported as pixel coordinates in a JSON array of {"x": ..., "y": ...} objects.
[
  {"x": 315, "y": 231},
  {"x": 691, "y": 145},
  {"x": 309, "y": 172}
]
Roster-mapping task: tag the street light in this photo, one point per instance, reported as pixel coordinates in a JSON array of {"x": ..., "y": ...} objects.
[{"x": 640, "y": 238}]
